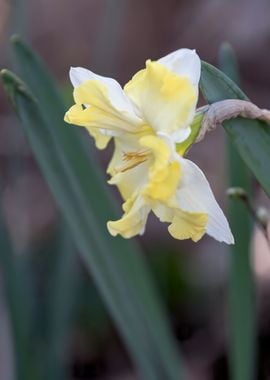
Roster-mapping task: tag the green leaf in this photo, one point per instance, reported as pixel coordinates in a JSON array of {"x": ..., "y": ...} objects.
[
  {"x": 17, "y": 296},
  {"x": 60, "y": 304},
  {"x": 241, "y": 283},
  {"x": 228, "y": 62},
  {"x": 251, "y": 138},
  {"x": 117, "y": 266}
]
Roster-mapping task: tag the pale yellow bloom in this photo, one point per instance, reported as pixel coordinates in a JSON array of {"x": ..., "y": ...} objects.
[{"x": 148, "y": 120}]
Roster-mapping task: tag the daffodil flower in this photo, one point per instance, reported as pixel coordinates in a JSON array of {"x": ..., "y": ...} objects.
[{"x": 150, "y": 122}]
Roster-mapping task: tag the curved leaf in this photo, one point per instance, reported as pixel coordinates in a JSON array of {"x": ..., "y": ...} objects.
[
  {"x": 117, "y": 266},
  {"x": 251, "y": 138}
]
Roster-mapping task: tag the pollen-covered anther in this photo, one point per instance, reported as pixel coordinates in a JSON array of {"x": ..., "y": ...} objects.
[{"x": 133, "y": 159}]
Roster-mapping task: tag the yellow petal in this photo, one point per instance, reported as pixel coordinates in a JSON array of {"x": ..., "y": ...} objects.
[
  {"x": 188, "y": 225},
  {"x": 77, "y": 117},
  {"x": 94, "y": 108},
  {"x": 117, "y": 98},
  {"x": 133, "y": 221},
  {"x": 183, "y": 224},
  {"x": 131, "y": 181},
  {"x": 163, "y": 176},
  {"x": 166, "y": 100},
  {"x": 101, "y": 140}
]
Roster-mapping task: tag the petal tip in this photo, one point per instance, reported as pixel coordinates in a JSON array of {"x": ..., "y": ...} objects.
[
  {"x": 227, "y": 238},
  {"x": 78, "y": 75},
  {"x": 66, "y": 118},
  {"x": 110, "y": 228},
  {"x": 230, "y": 240}
]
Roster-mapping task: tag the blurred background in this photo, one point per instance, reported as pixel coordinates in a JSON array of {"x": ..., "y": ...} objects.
[{"x": 114, "y": 38}]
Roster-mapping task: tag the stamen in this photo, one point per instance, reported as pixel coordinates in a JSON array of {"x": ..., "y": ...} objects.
[{"x": 133, "y": 159}]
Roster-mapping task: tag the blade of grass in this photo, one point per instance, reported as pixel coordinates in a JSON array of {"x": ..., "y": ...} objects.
[
  {"x": 138, "y": 272},
  {"x": 238, "y": 173},
  {"x": 122, "y": 279},
  {"x": 241, "y": 292},
  {"x": 241, "y": 286},
  {"x": 76, "y": 151},
  {"x": 61, "y": 296},
  {"x": 228, "y": 62},
  {"x": 17, "y": 297},
  {"x": 86, "y": 232}
]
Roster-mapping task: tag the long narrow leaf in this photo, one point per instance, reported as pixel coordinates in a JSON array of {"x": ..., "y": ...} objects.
[
  {"x": 61, "y": 301},
  {"x": 117, "y": 266},
  {"x": 77, "y": 152},
  {"x": 241, "y": 290},
  {"x": 17, "y": 297},
  {"x": 251, "y": 138}
]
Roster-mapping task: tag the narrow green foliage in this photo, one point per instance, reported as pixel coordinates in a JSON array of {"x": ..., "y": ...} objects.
[
  {"x": 242, "y": 133},
  {"x": 251, "y": 138},
  {"x": 13, "y": 85},
  {"x": 60, "y": 306},
  {"x": 117, "y": 266},
  {"x": 17, "y": 298},
  {"x": 228, "y": 62},
  {"x": 241, "y": 290}
]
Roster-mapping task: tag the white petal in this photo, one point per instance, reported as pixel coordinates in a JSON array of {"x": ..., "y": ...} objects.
[
  {"x": 78, "y": 75},
  {"x": 195, "y": 194},
  {"x": 184, "y": 62},
  {"x": 175, "y": 137},
  {"x": 118, "y": 98}
]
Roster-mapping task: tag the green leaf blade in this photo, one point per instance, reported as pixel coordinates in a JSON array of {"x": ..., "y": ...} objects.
[
  {"x": 242, "y": 345},
  {"x": 251, "y": 138},
  {"x": 116, "y": 265}
]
